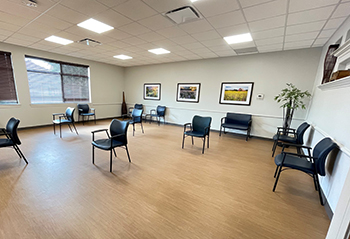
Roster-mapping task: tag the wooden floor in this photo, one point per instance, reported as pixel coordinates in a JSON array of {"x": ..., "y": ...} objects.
[{"x": 166, "y": 192}]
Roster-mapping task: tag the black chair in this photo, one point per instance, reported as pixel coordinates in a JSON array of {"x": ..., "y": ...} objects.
[
  {"x": 237, "y": 121},
  {"x": 136, "y": 119},
  {"x": 12, "y": 139},
  {"x": 158, "y": 113},
  {"x": 289, "y": 135},
  {"x": 129, "y": 114},
  {"x": 312, "y": 165},
  {"x": 64, "y": 118},
  {"x": 200, "y": 128},
  {"x": 85, "y": 110},
  {"x": 116, "y": 138}
]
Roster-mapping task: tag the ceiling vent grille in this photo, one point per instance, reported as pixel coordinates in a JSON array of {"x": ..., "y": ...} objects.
[
  {"x": 250, "y": 50},
  {"x": 90, "y": 42},
  {"x": 183, "y": 14}
]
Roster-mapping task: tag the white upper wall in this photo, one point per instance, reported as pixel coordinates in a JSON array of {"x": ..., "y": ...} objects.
[
  {"x": 106, "y": 81},
  {"x": 270, "y": 72}
]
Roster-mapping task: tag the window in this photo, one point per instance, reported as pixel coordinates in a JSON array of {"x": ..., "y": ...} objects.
[
  {"x": 8, "y": 93},
  {"x": 57, "y": 82}
]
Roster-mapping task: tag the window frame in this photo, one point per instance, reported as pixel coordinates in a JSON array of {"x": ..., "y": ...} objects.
[
  {"x": 64, "y": 100},
  {"x": 3, "y": 103}
]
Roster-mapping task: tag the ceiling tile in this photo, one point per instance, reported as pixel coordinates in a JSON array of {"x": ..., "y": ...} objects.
[
  {"x": 191, "y": 46},
  {"x": 233, "y": 30},
  {"x": 298, "y": 44},
  {"x": 220, "y": 48},
  {"x": 310, "y": 15},
  {"x": 116, "y": 34},
  {"x": 134, "y": 41},
  {"x": 36, "y": 26},
  {"x": 183, "y": 39},
  {"x": 164, "y": 43},
  {"x": 226, "y": 53},
  {"x": 112, "y": 18},
  {"x": 307, "y": 27},
  {"x": 270, "y": 48},
  {"x": 19, "y": 9},
  {"x": 41, "y": 47},
  {"x": 215, "y": 42},
  {"x": 135, "y": 9},
  {"x": 12, "y": 19},
  {"x": 87, "y": 7},
  {"x": 67, "y": 14},
  {"x": 111, "y": 3},
  {"x": 268, "y": 33},
  {"x": 213, "y": 8},
  {"x": 156, "y": 22},
  {"x": 269, "y": 23},
  {"x": 266, "y": 10},
  {"x": 270, "y": 41},
  {"x": 118, "y": 44},
  {"x": 209, "y": 35},
  {"x": 227, "y": 19},
  {"x": 147, "y": 46},
  {"x": 195, "y": 27},
  {"x": 301, "y": 37},
  {"x": 200, "y": 50},
  {"x": 166, "y": 5},
  {"x": 334, "y": 23},
  {"x": 302, "y": 5},
  {"x": 342, "y": 10},
  {"x": 327, "y": 33},
  {"x": 170, "y": 32},
  {"x": 134, "y": 29},
  {"x": 53, "y": 21},
  {"x": 207, "y": 55},
  {"x": 321, "y": 41},
  {"x": 20, "y": 42},
  {"x": 249, "y": 3},
  {"x": 151, "y": 36},
  {"x": 243, "y": 45},
  {"x": 6, "y": 32}
]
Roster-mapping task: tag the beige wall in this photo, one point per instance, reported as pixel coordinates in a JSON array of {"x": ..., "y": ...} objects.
[
  {"x": 107, "y": 83},
  {"x": 270, "y": 72}
]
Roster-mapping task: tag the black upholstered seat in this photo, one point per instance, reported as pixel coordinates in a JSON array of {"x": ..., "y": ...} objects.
[
  {"x": 289, "y": 136},
  {"x": 313, "y": 165},
  {"x": 64, "y": 118},
  {"x": 116, "y": 138},
  {"x": 12, "y": 139},
  {"x": 200, "y": 128},
  {"x": 236, "y": 121},
  {"x": 85, "y": 110}
]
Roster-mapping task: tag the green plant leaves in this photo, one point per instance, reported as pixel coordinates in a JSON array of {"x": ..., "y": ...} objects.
[{"x": 292, "y": 97}]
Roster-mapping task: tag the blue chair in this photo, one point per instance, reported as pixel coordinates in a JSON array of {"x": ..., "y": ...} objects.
[
  {"x": 136, "y": 119},
  {"x": 64, "y": 118},
  {"x": 158, "y": 113},
  {"x": 116, "y": 138},
  {"x": 85, "y": 110},
  {"x": 312, "y": 165},
  {"x": 200, "y": 128}
]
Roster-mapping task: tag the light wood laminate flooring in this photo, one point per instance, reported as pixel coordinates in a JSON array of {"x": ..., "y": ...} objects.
[{"x": 166, "y": 192}]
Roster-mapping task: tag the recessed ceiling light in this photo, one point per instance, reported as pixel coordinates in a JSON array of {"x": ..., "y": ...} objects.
[
  {"x": 194, "y": 0},
  {"x": 159, "y": 51},
  {"x": 123, "y": 57},
  {"x": 58, "y": 40},
  {"x": 95, "y": 26},
  {"x": 238, "y": 38}
]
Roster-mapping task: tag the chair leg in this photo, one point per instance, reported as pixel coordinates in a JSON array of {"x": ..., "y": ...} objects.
[
  {"x": 203, "y": 145},
  {"x": 276, "y": 171},
  {"x": 274, "y": 148},
  {"x": 83, "y": 118},
  {"x": 95, "y": 118},
  {"x": 133, "y": 129},
  {"x": 20, "y": 156},
  {"x": 110, "y": 161},
  {"x": 158, "y": 121},
  {"x": 246, "y": 138},
  {"x": 54, "y": 128},
  {"x": 70, "y": 128},
  {"x": 183, "y": 140},
  {"x": 93, "y": 154},
  {"x": 24, "y": 158},
  {"x": 115, "y": 154},
  {"x": 278, "y": 176},
  {"x": 208, "y": 142},
  {"x": 60, "y": 131},
  {"x": 314, "y": 177},
  {"x": 127, "y": 151},
  {"x": 220, "y": 131},
  {"x": 164, "y": 119},
  {"x": 319, "y": 190},
  {"x": 142, "y": 128},
  {"x": 75, "y": 128},
  {"x": 192, "y": 140}
]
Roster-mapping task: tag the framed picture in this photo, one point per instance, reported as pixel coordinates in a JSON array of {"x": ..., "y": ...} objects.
[
  {"x": 236, "y": 93},
  {"x": 151, "y": 91},
  {"x": 188, "y": 92}
]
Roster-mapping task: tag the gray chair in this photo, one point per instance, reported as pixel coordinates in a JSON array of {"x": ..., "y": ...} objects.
[
  {"x": 12, "y": 139},
  {"x": 200, "y": 128},
  {"x": 64, "y": 118},
  {"x": 85, "y": 110},
  {"x": 117, "y": 138}
]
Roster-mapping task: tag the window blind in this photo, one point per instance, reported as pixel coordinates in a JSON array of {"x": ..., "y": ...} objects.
[{"x": 8, "y": 93}]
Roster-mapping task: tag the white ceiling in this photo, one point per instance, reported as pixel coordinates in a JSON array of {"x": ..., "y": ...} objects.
[{"x": 275, "y": 25}]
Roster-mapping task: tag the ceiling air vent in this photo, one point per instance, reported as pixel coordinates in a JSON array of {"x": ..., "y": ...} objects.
[
  {"x": 30, "y": 3},
  {"x": 90, "y": 42},
  {"x": 183, "y": 14},
  {"x": 249, "y": 50}
]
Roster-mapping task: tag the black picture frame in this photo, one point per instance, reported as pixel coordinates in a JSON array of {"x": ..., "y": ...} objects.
[
  {"x": 147, "y": 95},
  {"x": 237, "y": 98},
  {"x": 182, "y": 96}
]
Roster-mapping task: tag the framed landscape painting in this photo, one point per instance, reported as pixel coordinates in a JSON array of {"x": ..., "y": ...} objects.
[
  {"x": 188, "y": 92},
  {"x": 236, "y": 93},
  {"x": 151, "y": 91}
]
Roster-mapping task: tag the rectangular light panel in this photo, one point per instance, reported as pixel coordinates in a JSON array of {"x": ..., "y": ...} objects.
[
  {"x": 123, "y": 57},
  {"x": 95, "y": 26},
  {"x": 159, "y": 51},
  {"x": 238, "y": 38},
  {"x": 58, "y": 40}
]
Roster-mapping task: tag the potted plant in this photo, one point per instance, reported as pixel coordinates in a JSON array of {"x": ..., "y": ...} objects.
[{"x": 291, "y": 99}]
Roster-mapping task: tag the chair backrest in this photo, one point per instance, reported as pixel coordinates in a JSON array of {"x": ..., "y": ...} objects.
[
  {"x": 235, "y": 118},
  {"x": 70, "y": 113},
  {"x": 199, "y": 123},
  {"x": 83, "y": 108},
  {"x": 137, "y": 115},
  {"x": 11, "y": 129},
  {"x": 119, "y": 127},
  {"x": 138, "y": 106},
  {"x": 301, "y": 131},
  {"x": 161, "y": 110},
  {"x": 320, "y": 153}
]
